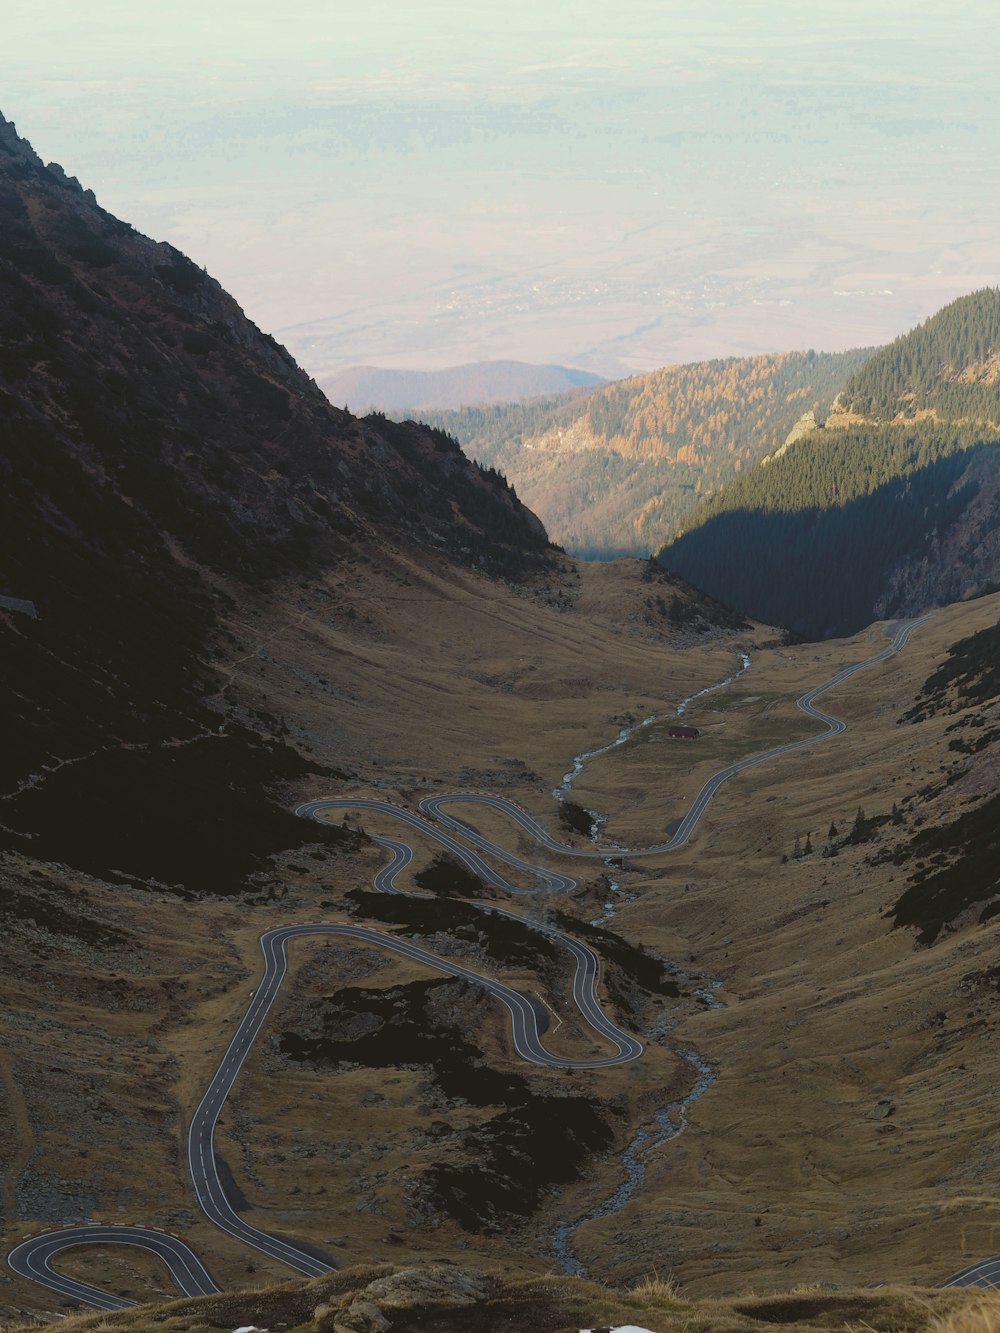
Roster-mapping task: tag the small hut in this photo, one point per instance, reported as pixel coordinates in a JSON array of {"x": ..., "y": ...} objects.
[{"x": 681, "y": 733}]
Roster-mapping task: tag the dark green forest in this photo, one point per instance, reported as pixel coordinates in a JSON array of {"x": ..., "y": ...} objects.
[
  {"x": 810, "y": 542},
  {"x": 483, "y": 431},
  {"x": 949, "y": 365}
]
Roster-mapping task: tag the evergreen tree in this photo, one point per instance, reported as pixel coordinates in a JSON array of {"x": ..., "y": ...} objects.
[
  {"x": 862, "y": 829},
  {"x": 941, "y": 366},
  {"x": 653, "y": 442},
  {"x": 811, "y": 540}
]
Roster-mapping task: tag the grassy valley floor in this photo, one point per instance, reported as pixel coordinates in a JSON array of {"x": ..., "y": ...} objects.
[{"x": 847, "y": 1137}]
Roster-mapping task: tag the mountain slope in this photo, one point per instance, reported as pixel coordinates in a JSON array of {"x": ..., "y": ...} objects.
[
  {"x": 611, "y": 470},
  {"x": 949, "y": 365},
  {"x": 208, "y": 652},
  {"x": 243, "y": 596},
  {"x": 162, "y": 458},
  {"x": 870, "y": 516},
  {"x": 799, "y": 1045},
  {"x": 368, "y": 388}
]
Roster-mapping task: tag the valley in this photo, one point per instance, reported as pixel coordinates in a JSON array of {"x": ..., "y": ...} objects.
[
  {"x": 303, "y": 886},
  {"x": 542, "y": 985},
  {"x": 613, "y": 469},
  {"x": 641, "y": 911}
]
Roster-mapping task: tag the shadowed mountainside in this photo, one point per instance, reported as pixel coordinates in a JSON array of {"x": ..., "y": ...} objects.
[
  {"x": 870, "y": 515},
  {"x": 159, "y": 455},
  {"x": 825, "y": 568}
]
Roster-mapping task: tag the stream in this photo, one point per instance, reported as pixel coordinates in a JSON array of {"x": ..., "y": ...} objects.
[
  {"x": 669, "y": 1120},
  {"x": 561, "y": 793},
  {"x": 667, "y": 1123}
]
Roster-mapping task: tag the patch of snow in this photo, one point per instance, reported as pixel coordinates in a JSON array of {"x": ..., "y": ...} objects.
[{"x": 622, "y": 1328}]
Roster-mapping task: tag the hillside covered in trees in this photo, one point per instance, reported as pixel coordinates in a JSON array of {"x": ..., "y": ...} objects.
[
  {"x": 948, "y": 366},
  {"x": 869, "y": 517},
  {"x": 611, "y": 470}
]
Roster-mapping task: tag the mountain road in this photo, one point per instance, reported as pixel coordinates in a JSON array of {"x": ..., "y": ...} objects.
[{"x": 32, "y": 1257}]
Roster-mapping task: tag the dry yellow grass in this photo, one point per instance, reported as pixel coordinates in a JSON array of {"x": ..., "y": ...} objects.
[
  {"x": 787, "y": 1172},
  {"x": 980, "y": 1315},
  {"x": 444, "y": 679},
  {"x": 504, "y": 1298},
  {"x": 784, "y": 1173},
  {"x": 653, "y": 1289}
]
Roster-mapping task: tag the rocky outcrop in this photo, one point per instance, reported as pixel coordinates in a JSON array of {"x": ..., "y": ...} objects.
[
  {"x": 407, "y": 1292},
  {"x": 805, "y": 425},
  {"x": 576, "y": 437}
]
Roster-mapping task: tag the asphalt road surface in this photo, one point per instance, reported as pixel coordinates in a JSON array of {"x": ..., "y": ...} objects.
[
  {"x": 983, "y": 1273},
  {"x": 202, "y": 1162},
  {"x": 434, "y": 805},
  {"x": 31, "y": 1258}
]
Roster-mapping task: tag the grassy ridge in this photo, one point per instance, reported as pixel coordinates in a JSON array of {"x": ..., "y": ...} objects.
[{"x": 450, "y": 1299}]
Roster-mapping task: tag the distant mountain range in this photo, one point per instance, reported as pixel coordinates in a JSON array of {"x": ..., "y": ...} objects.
[
  {"x": 889, "y": 505},
  {"x": 610, "y": 470},
  {"x": 369, "y": 388}
]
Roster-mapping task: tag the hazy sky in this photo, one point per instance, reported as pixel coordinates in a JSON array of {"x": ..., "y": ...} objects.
[{"x": 611, "y": 185}]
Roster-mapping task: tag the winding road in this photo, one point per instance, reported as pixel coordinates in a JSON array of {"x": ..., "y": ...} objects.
[
  {"x": 983, "y": 1273},
  {"x": 434, "y": 805},
  {"x": 202, "y": 1161},
  {"x": 32, "y": 1257}
]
